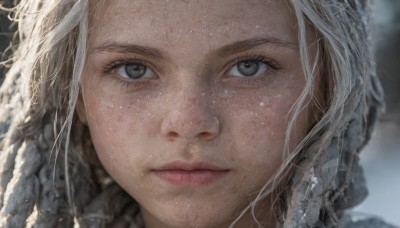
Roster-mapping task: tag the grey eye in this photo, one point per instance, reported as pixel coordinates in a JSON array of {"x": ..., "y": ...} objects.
[
  {"x": 135, "y": 71},
  {"x": 248, "y": 68}
]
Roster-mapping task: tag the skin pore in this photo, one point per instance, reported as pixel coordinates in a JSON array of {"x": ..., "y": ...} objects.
[{"x": 205, "y": 85}]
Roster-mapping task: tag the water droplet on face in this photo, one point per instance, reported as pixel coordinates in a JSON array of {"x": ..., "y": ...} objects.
[
  {"x": 216, "y": 120},
  {"x": 262, "y": 104}
]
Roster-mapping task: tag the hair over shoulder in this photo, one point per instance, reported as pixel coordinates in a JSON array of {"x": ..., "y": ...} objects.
[{"x": 50, "y": 176}]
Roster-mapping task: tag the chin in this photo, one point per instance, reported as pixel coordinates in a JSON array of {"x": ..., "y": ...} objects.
[
  {"x": 200, "y": 222},
  {"x": 189, "y": 217}
]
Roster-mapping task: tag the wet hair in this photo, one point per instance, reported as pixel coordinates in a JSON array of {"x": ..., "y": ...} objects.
[{"x": 50, "y": 175}]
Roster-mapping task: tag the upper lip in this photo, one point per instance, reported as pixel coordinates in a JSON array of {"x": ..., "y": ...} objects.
[{"x": 189, "y": 166}]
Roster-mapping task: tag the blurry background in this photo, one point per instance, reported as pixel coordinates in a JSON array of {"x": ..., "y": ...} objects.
[
  {"x": 6, "y": 33},
  {"x": 381, "y": 158}
]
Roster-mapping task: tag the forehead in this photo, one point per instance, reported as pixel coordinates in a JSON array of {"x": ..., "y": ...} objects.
[{"x": 181, "y": 21}]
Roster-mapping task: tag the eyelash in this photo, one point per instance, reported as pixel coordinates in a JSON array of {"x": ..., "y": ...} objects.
[
  {"x": 253, "y": 81},
  {"x": 260, "y": 58},
  {"x": 124, "y": 84},
  {"x": 123, "y": 61},
  {"x": 108, "y": 69}
]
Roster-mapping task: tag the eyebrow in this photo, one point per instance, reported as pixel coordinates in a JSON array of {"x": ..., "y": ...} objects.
[
  {"x": 226, "y": 50},
  {"x": 127, "y": 48},
  {"x": 245, "y": 45}
]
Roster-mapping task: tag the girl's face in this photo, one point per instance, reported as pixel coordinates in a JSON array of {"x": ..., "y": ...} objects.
[{"x": 187, "y": 103}]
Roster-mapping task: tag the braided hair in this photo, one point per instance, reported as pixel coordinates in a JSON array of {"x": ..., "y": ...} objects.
[{"x": 50, "y": 175}]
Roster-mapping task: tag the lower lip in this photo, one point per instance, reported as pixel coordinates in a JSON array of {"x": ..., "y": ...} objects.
[{"x": 191, "y": 177}]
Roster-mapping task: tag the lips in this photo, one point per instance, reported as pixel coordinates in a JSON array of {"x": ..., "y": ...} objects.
[{"x": 182, "y": 173}]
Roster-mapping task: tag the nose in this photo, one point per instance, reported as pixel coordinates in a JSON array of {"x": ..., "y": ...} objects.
[{"x": 190, "y": 117}]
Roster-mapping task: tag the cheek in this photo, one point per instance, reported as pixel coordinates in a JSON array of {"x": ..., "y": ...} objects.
[
  {"x": 117, "y": 123},
  {"x": 261, "y": 121},
  {"x": 258, "y": 130}
]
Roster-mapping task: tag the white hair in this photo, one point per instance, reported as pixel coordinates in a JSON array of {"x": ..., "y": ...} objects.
[{"x": 45, "y": 79}]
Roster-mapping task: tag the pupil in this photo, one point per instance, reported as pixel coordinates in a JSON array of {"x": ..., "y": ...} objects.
[
  {"x": 248, "y": 68},
  {"x": 135, "y": 71}
]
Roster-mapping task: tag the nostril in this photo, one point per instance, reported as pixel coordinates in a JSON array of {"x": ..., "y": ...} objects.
[
  {"x": 172, "y": 135},
  {"x": 193, "y": 125},
  {"x": 205, "y": 135}
]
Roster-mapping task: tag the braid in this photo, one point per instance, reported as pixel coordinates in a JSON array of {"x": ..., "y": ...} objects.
[
  {"x": 329, "y": 179},
  {"x": 49, "y": 172},
  {"x": 32, "y": 185},
  {"x": 35, "y": 190}
]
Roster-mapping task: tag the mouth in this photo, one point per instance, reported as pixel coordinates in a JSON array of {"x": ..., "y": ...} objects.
[{"x": 190, "y": 173}]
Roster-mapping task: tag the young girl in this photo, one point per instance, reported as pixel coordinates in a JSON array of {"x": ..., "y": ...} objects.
[{"x": 157, "y": 113}]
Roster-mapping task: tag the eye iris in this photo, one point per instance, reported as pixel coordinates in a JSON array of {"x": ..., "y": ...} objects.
[
  {"x": 135, "y": 71},
  {"x": 248, "y": 68}
]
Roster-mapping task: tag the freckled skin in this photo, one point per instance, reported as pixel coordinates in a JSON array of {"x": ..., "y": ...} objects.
[{"x": 192, "y": 110}]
